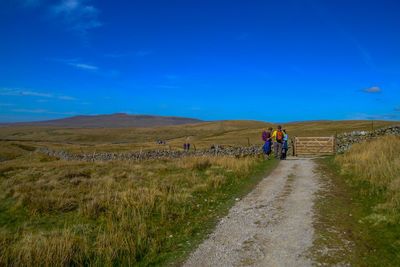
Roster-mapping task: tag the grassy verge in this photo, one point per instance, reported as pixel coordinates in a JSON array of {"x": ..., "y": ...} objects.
[
  {"x": 116, "y": 213},
  {"x": 357, "y": 212}
]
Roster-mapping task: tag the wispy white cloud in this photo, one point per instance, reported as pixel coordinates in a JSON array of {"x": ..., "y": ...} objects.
[
  {"x": 66, "y": 98},
  {"x": 30, "y": 110},
  {"x": 382, "y": 117},
  {"x": 83, "y": 66},
  {"x": 364, "y": 116},
  {"x": 333, "y": 22},
  {"x": 77, "y": 15},
  {"x": 43, "y": 111},
  {"x": 373, "y": 89},
  {"x": 61, "y": 113},
  {"x": 21, "y": 92},
  {"x": 75, "y": 62},
  {"x": 35, "y": 94},
  {"x": 365, "y": 55},
  {"x": 31, "y": 3}
]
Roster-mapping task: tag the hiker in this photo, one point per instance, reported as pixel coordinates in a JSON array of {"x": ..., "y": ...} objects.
[
  {"x": 266, "y": 137},
  {"x": 184, "y": 146},
  {"x": 285, "y": 145},
  {"x": 277, "y": 138},
  {"x": 188, "y": 146},
  {"x": 212, "y": 147}
]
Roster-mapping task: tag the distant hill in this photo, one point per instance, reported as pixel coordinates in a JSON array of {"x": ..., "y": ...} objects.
[{"x": 108, "y": 121}]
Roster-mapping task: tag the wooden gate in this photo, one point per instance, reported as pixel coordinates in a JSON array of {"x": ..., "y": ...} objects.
[{"x": 314, "y": 145}]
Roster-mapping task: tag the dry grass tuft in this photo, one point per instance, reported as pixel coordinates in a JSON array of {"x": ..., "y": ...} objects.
[
  {"x": 378, "y": 163},
  {"x": 115, "y": 213}
]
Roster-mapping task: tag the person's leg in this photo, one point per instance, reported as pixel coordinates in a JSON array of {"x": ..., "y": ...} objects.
[
  {"x": 265, "y": 147},
  {"x": 276, "y": 149},
  {"x": 280, "y": 146},
  {"x": 269, "y": 149}
]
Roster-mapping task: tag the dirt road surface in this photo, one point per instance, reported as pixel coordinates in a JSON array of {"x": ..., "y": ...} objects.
[{"x": 272, "y": 226}]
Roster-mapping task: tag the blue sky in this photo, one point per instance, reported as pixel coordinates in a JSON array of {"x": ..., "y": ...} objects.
[{"x": 274, "y": 61}]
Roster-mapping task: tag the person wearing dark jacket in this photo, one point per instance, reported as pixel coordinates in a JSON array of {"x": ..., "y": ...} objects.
[{"x": 266, "y": 137}]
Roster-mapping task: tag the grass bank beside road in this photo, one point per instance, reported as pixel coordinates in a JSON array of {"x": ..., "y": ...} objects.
[
  {"x": 358, "y": 212},
  {"x": 144, "y": 213}
]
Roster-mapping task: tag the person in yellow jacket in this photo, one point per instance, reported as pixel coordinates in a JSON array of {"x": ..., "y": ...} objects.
[{"x": 277, "y": 137}]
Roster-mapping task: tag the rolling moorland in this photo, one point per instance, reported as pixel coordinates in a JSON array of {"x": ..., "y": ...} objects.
[
  {"x": 200, "y": 135},
  {"x": 108, "y": 120},
  {"x": 155, "y": 212}
]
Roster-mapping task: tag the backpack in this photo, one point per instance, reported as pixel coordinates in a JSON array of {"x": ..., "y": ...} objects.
[{"x": 279, "y": 136}]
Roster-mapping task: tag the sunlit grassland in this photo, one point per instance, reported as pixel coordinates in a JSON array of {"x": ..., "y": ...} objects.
[
  {"x": 200, "y": 135},
  {"x": 377, "y": 164},
  {"x": 54, "y": 212},
  {"x": 121, "y": 212},
  {"x": 358, "y": 212}
]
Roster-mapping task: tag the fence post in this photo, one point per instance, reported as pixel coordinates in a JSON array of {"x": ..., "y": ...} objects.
[
  {"x": 294, "y": 147},
  {"x": 333, "y": 144}
]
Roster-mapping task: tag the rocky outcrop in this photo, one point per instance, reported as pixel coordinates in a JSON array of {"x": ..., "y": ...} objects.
[{"x": 344, "y": 141}]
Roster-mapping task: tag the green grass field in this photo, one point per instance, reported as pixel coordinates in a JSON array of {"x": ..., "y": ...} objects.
[
  {"x": 125, "y": 212},
  {"x": 358, "y": 212}
]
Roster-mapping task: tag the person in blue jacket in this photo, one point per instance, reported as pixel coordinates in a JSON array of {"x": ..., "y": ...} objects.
[
  {"x": 266, "y": 137},
  {"x": 285, "y": 145}
]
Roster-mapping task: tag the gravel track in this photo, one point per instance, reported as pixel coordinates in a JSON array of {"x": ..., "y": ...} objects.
[{"x": 271, "y": 226}]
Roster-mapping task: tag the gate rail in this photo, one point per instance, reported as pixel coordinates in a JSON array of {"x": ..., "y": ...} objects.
[{"x": 314, "y": 145}]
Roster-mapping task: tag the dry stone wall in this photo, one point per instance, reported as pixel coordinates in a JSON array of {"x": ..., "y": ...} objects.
[
  {"x": 160, "y": 154},
  {"x": 344, "y": 141},
  {"x": 156, "y": 154}
]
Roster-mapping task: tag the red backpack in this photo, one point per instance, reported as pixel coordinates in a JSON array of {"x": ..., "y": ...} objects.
[{"x": 279, "y": 136}]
